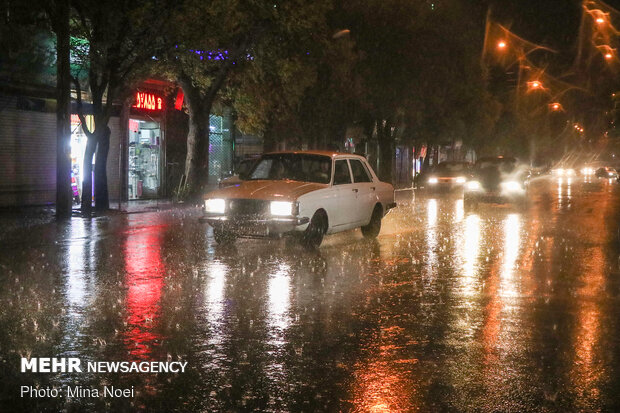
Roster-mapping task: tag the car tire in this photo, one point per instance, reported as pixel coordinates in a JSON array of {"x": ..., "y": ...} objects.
[
  {"x": 223, "y": 237},
  {"x": 313, "y": 235},
  {"x": 374, "y": 226}
]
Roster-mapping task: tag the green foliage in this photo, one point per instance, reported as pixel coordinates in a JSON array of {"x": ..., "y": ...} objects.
[{"x": 27, "y": 48}]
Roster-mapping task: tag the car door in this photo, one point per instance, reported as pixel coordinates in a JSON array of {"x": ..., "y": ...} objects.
[
  {"x": 341, "y": 213},
  {"x": 365, "y": 193}
]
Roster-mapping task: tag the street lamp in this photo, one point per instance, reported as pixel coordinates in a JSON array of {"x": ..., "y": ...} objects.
[
  {"x": 501, "y": 45},
  {"x": 555, "y": 106},
  {"x": 534, "y": 84}
]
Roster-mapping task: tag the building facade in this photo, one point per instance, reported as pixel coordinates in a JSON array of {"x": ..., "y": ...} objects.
[{"x": 147, "y": 146}]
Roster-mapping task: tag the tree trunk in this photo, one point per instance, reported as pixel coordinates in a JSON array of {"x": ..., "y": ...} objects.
[
  {"x": 63, "y": 113},
  {"x": 197, "y": 160},
  {"x": 87, "y": 172},
  {"x": 102, "y": 199}
]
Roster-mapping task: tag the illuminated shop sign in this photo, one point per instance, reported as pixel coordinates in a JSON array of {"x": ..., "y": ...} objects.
[{"x": 148, "y": 101}]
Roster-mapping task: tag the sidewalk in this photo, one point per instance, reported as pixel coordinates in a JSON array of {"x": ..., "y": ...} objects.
[{"x": 25, "y": 217}]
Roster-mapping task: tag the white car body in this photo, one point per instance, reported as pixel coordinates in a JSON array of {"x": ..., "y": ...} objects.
[{"x": 347, "y": 205}]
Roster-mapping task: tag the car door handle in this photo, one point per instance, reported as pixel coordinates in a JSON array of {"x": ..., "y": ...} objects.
[
  {"x": 354, "y": 189},
  {"x": 372, "y": 187}
]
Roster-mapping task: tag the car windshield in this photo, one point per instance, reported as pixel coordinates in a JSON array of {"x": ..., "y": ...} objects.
[
  {"x": 245, "y": 166},
  {"x": 293, "y": 166},
  {"x": 502, "y": 164},
  {"x": 451, "y": 167}
]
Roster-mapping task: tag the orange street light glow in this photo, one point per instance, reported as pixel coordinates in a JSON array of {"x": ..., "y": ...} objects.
[
  {"x": 501, "y": 44},
  {"x": 600, "y": 20},
  {"x": 608, "y": 56},
  {"x": 556, "y": 106},
  {"x": 535, "y": 84}
]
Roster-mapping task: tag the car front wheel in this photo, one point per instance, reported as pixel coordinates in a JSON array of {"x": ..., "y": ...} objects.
[
  {"x": 313, "y": 235},
  {"x": 374, "y": 226}
]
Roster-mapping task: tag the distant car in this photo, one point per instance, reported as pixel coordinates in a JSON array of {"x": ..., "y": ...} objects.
[
  {"x": 306, "y": 193},
  {"x": 497, "y": 179},
  {"x": 241, "y": 172},
  {"x": 606, "y": 172},
  {"x": 562, "y": 171},
  {"x": 447, "y": 175}
]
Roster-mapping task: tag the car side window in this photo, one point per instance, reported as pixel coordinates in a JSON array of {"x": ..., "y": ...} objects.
[
  {"x": 341, "y": 173},
  {"x": 360, "y": 174}
]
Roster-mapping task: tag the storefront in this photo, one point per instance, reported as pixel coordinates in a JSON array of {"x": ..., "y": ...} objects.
[
  {"x": 146, "y": 146},
  {"x": 78, "y": 145}
]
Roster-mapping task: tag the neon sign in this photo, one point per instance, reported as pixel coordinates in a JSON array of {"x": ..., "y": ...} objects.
[{"x": 148, "y": 101}]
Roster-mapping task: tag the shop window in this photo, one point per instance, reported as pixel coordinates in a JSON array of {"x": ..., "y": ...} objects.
[{"x": 144, "y": 157}]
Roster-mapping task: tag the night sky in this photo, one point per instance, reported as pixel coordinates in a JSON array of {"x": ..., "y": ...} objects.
[{"x": 554, "y": 23}]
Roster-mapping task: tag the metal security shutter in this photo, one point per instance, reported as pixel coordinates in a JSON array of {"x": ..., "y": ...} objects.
[
  {"x": 219, "y": 149},
  {"x": 114, "y": 159},
  {"x": 27, "y": 157}
]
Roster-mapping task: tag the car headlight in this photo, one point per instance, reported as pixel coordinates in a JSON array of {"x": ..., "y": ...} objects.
[
  {"x": 511, "y": 186},
  {"x": 460, "y": 180},
  {"x": 215, "y": 205},
  {"x": 281, "y": 208},
  {"x": 473, "y": 185},
  {"x": 432, "y": 180},
  {"x": 569, "y": 172}
]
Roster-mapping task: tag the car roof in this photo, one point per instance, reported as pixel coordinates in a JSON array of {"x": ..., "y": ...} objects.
[
  {"x": 497, "y": 158},
  {"x": 331, "y": 154}
]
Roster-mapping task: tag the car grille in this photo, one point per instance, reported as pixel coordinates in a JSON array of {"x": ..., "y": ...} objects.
[{"x": 245, "y": 207}]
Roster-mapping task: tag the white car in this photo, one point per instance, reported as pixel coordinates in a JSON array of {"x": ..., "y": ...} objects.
[{"x": 309, "y": 193}]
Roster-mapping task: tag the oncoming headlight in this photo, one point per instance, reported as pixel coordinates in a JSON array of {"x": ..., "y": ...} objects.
[
  {"x": 215, "y": 205},
  {"x": 473, "y": 185},
  {"x": 432, "y": 180},
  {"x": 281, "y": 208},
  {"x": 511, "y": 186},
  {"x": 460, "y": 180}
]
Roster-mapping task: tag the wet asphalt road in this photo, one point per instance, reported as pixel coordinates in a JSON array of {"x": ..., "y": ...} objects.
[{"x": 496, "y": 309}]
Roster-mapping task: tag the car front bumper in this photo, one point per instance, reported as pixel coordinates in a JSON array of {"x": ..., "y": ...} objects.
[{"x": 256, "y": 226}]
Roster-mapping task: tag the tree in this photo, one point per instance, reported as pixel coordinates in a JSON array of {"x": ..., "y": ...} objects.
[
  {"x": 121, "y": 39},
  {"x": 293, "y": 94},
  {"x": 215, "y": 43},
  {"x": 420, "y": 74},
  {"x": 59, "y": 12}
]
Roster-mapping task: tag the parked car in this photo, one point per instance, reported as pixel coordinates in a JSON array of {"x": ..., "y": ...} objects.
[
  {"x": 606, "y": 172},
  {"x": 241, "y": 173},
  {"x": 447, "y": 175},
  {"x": 307, "y": 193},
  {"x": 497, "y": 179}
]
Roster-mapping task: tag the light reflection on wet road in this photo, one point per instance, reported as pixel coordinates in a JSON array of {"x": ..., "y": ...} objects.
[{"x": 495, "y": 309}]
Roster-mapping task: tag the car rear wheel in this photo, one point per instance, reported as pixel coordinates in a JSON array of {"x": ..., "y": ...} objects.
[
  {"x": 374, "y": 226},
  {"x": 313, "y": 235},
  {"x": 223, "y": 237}
]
